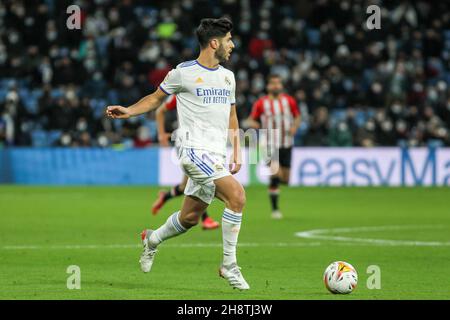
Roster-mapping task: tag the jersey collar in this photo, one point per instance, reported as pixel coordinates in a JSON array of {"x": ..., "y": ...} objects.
[{"x": 210, "y": 69}]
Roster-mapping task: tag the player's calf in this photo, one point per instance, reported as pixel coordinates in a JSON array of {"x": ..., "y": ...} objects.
[
  {"x": 191, "y": 211},
  {"x": 190, "y": 219},
  {"x": 274, "y": 193},
  {"x": 230, "y": 191}
]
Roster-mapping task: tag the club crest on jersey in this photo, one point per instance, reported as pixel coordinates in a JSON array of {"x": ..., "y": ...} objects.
[{"x": 227, "y": 81}]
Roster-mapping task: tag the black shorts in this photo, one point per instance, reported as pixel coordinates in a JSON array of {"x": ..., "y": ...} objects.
[{"x": 284, "y": 157}]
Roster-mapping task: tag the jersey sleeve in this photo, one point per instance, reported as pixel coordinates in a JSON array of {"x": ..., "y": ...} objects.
[
  {"x": 171, "y": 103},
  {"x": 257, "y": 110},
  {"x": 172, "y": 82},
  {"x": 294, "y": 107}
]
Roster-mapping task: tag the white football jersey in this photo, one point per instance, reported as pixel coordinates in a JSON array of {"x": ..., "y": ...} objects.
[{"x": 204, "y": 99}]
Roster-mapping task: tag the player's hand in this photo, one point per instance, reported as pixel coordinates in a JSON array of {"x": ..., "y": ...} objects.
[
  {"x": 118, "y": 112},
  {"x": 292, "y": 131},
  {"x": 235, "y": 165},
  {"x": 163, "y": 139}
]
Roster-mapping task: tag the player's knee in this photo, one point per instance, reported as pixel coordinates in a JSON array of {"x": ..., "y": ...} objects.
[{"x": 237, "y": 202}]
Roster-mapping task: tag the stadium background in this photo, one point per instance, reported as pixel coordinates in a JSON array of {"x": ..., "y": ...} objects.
[
  {"x": 355, "y": 87},
  {"x": 376, "y": 111}
]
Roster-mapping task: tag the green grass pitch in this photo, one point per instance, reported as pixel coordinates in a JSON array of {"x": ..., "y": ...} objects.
[{"x": 43, "y": 230}]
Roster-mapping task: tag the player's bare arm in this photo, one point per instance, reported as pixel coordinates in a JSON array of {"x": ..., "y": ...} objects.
[
  {"x": 252, "y": 123},
  {"x": 146, "y": 104},
  {"x": 235, "y": 163},
  {"x": 163, "y": 136},
  {"x": 253, "y": 120},
  {"x": 295, "y": 125}
]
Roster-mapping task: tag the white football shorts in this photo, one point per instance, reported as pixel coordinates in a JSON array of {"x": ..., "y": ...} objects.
[{"x": 202, "y": 167}]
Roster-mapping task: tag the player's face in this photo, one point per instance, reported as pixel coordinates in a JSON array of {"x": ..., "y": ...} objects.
[
  {"x": 223, "y": 52},
  {"x": 275, "y": 86}
]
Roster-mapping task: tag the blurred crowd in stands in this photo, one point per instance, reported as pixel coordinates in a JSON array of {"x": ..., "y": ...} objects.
[{"x": 354, "y": 86}]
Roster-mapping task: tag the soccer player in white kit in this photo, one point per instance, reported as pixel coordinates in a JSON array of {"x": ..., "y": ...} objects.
[{"x": 206, "y": 108}]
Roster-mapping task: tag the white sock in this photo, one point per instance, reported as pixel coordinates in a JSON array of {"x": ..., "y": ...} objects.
[
  {"x": 168, "y": 230},
  {"x": 231, "y": 224}
]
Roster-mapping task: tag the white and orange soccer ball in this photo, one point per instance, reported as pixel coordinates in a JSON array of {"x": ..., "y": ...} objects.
[{"x": 340, "y": 277}]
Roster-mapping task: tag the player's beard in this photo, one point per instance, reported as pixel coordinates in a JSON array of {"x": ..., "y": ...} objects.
[
  {"x": 220, "y": 54},
  {"x": 275, "y": 93}
]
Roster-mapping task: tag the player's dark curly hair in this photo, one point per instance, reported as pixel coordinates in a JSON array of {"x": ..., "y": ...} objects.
[
  {"x": 273, "y": 76},
  {"x": 210, "y": 28}
]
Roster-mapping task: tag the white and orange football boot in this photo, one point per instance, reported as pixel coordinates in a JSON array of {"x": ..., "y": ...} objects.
[{"x": 148, "y": 254}]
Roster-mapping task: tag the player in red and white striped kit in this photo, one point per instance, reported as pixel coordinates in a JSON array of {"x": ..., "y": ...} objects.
[
  {"x": 277, "y": 110},
  {"x": 208, "y": 223}
]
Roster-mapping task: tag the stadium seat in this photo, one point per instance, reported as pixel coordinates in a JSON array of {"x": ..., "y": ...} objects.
[{"x": 39, "y": 138}]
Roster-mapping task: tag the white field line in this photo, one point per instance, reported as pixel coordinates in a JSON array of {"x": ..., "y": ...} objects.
[
  {"x": 181, "y": 245},
  {"x": 317, "y": 234},
  {"x": 327, "y": 234}
]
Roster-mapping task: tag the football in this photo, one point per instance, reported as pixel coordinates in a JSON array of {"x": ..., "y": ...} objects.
[{"x": 340, "y": 277}]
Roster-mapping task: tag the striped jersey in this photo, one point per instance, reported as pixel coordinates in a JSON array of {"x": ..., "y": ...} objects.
[
  {"x": 277, "y": 114},
  {"x": 171, "y": 102}
]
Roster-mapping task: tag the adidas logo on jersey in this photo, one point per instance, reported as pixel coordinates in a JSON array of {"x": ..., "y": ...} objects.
[{"x": 199, "y": 80}]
